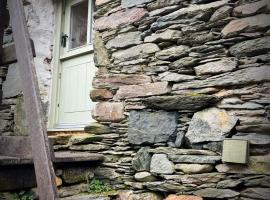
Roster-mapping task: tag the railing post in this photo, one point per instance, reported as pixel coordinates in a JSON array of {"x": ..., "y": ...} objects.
[{"x": 42, "y": 157}]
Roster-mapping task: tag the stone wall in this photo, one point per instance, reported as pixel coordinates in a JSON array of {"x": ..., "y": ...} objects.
[
  {"x": 40, "y": 22},
  {"x": 175, "y": 79}
]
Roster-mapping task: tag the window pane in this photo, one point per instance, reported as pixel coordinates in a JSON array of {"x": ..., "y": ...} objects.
[{"x": 78, "y": 26}]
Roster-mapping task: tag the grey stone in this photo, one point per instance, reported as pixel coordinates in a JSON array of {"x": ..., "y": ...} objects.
[
  {"x": 5, "y": 125},
  {"x": 89, "y": 147},
  {"x": 139, "y": 51},
  {"x": 181, "y": 102},
  {"x": 180, "y": 138},
  {"x": 145, "y": 127},
  {"x": 141, "y": 161},
  {"x": 216, "y": 193},
  {"x": 177, "y": 151},
  {"x": 130, "y": 3},
  {"x": 72, "y": 190},
  {"x": 196, "y": 38},
  {"x": 73, "y": 175},
  {"x": 248, "y": 24},
  {"x": 173, "y": 53},
  {"x": 239, "y": 77},
  {"x": 251, "y": 47},
  {"x": 106, "y": 173},
  {"x": 168, "y": 35},
  {"x": 256, "y": 193},
  {"x": 161, "y": 165},
  {"x": 254, "y": 138},
  {"x": 163, "y": 11},
  {"x": 249, "y": 9},
  {"x": 97, "y": 128},
  {"x": 84, "y": 138},
  {"x": 165, "y": 187},
  {"x": 193, "y": 10},
  {"x": 194, "y": 168},
  {"x": 88, "y": 197},
  {"x": 217, "y": 67},
  {"x": 210, "y": 125},
  {"x": 200, "y": 159},
  {"x": 145, "y": 196},
  {"x": 229, "y": 183},
  {"x": 124, "y": 40},
  {"x": 197, "y": 179},
  {"x": 175, "y": 77},
  {"x": 101, "y": 56},
  {"x": 144, "y": 177},
  {"x": 257, "y": 181},
  {"x": 186, "y": 62},
  {"x": 221, "y": 13},
  {"x": 163, "y": 3},
  {"x": 213, "y": 146},
  {"x": 12, "y": 85}
]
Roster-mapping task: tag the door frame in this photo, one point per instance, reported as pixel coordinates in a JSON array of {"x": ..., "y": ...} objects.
[{"x": 56, "y": 67}]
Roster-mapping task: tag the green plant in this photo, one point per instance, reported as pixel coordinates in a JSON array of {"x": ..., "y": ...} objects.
[
  {"x": 23, "y": 195},
  {"x": 97, "y": 186}
]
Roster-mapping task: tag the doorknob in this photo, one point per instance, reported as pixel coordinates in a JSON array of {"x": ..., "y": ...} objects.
[{"x": 64, "y": 40}]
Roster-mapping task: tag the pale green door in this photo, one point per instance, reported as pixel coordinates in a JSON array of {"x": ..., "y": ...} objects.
[{"x": 76, "y": 66}]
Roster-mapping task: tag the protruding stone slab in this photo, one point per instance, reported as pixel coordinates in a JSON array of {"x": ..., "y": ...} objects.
[
  {"x": 251, "y": 47},
  {"x": 133, "y": 53},
  {"x": 144, "y": 90},
  {"x": 130, "y": 3},
  {"x": 101, "y": 56},
  {"x": 240, "y": 77},
  {"x": 190, "y": 102},
  {"x": 120, "y": 18},
  {"x": 183, "y": 197},
  {"x": 96, "y": 128},
  {"x": 177, "y": 151},
  {"x": 101, "y": 95},
  {"x": 124, "y": 40},
  {"x": 173, "y": 53},
  {"x": 12, "y": 84},
  {"x": 84, "y": 138},
  {"x": 217, "y": 67},
  {"x": 256, "y": 193},
  {"x": 254, "y": 23},
  {"x": 160, "y": 164},
  {"x": 251, "y": 8},
  {"x": 194, "y": 168},
  {"x": 144, "y": 177},
  {"x": 168, "y": 35},
  {"x": 175, "y": 77},
  {"x": 114, "y": 81},
  {"x": 216, "y": 193},
  {"x": 151, "y": 127},
  {"x": 109, "y": 112},
  {"x": 210, "y": 125},
  {"x": 200, "y": 159},
  {"x": 141, "y": 161}
]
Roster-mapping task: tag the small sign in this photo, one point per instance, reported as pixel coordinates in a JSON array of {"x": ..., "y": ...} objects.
[{"x": 235, "y": 151}]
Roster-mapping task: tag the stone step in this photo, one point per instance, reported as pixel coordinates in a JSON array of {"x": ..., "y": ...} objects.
[{"x": 87, "y": 197}]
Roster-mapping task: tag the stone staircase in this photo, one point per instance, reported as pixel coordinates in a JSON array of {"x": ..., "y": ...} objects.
[{"x": 17, "y": 169}]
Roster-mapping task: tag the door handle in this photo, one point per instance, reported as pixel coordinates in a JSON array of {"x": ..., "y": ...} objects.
[{"x": 64, "y": 40}]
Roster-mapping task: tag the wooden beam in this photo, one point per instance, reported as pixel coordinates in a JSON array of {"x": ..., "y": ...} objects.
[{"x": 41, "y": 152}]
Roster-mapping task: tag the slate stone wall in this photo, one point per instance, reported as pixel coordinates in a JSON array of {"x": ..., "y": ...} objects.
[
  {"x": 40, "y": 22},
  {"x": 175, "y": 79}
]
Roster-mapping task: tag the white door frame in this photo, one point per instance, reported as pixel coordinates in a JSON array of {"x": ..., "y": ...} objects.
[{"x": 57, "y": 58}]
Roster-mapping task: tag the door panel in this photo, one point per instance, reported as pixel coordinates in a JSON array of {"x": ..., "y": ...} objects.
[{"x": 77, "y": 67}]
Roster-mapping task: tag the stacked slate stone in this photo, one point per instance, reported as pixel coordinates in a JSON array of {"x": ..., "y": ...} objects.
[
  {"x": 175, "y": 79},
  {"x": 11, "y": 102}
]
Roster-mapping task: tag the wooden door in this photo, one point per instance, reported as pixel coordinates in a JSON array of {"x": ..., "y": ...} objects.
[{"x": 76, "y": 66}]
